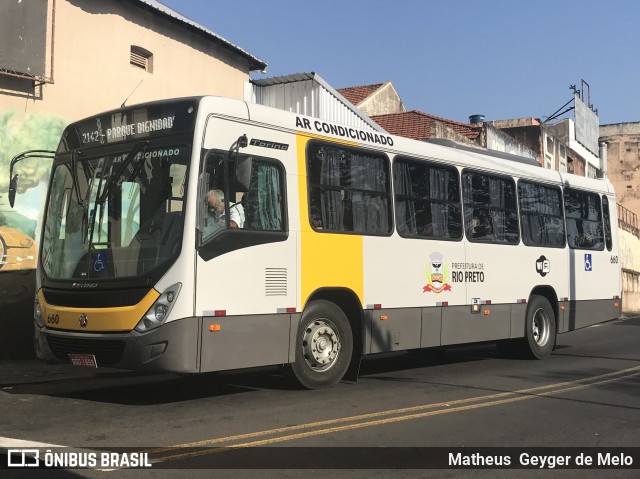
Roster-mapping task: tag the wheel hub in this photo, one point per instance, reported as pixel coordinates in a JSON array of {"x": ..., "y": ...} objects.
[
  {"x": 321, "y": 345},
  {"x": 540, "y": 327}
]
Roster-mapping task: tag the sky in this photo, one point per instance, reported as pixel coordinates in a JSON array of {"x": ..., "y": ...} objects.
[{"x": 451, "y": 58}]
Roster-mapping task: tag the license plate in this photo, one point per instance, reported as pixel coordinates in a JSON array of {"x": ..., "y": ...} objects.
[{"x": 83, "y": 360}]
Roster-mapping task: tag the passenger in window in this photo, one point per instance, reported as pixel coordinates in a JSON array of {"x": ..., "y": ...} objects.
[
  {"x": 215, "y": 199},
  {"x": 584, "y": 240},
  {"x": 427, "y": 230},
  {"x": 316, "y": 222},
  {"x": 482, "y": 227}
]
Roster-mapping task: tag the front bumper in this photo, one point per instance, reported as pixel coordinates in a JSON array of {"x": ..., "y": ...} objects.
[{"x": 173, "y": 347}]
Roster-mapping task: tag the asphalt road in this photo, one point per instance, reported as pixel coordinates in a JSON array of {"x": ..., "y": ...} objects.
[{"x": 406, "y": 410}]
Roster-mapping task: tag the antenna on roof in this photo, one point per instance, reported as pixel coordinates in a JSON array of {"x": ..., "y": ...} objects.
[{"x": 132, "y": 92}]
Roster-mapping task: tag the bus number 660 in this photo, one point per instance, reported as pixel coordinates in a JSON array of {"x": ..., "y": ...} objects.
[{"x": 53, "y": 319}]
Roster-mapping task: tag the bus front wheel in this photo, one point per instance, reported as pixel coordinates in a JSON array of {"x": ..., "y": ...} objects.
[{"x": 324, "y": 344}]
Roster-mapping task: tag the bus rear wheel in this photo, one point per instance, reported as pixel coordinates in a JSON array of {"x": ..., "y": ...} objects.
[
  {"x": 324, "y": 344},
  {"x": 539, "y": 335}
]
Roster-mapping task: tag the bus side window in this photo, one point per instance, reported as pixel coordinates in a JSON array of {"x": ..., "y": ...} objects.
[
  {"x": 260, "y": 208},
  {"x": 427, "y": 200},
  {"x": 584, "y": 220},
  {"x": 349, "y": 190},
  {"x": 264, "y": 202},
  {"x": 490, "y": 208},
  {"x": 607, "y": 223},
  {"x": 541, "y": 215}
]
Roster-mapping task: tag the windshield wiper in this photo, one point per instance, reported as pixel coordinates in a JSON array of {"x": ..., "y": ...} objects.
[
  {"x": 99, "y": 172},
  {"x": 83, "y": 203},
  {"x": 114, "y": 179},
  {"x": 102, "y": 193},
  {"x": 74, "y": 176},
  {"x": 102, "y": 205}
]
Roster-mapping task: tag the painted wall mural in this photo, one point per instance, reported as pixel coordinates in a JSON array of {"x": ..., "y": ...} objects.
[{"x": 19, "y": 226}]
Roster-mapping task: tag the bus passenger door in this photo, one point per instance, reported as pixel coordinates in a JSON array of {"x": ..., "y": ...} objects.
[
  {"x": 246, "y": 264},
  {"x": 493, "y": 260},
  {"x": 594, "y": 257}
]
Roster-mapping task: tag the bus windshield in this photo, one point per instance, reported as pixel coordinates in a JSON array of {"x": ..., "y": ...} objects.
[{"x": 115, "y": 215}]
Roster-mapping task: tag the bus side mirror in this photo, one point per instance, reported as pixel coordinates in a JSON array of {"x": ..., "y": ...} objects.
[
  {"x": 13, "y": 188},
  {"x": 243, "y": 173},
  {"x": 13, "y": 183}
]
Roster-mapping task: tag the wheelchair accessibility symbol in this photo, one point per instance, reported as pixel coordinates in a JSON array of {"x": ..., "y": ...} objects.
[
  {"x": 98, "y": 263},
  {"x": 588, "y": 264}
]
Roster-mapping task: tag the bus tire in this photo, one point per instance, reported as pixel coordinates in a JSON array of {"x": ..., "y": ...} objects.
[
  {"x": 324, "y": 345},
  {"x": 540, "y": 328},
  {"x": 539, "y": 335}
]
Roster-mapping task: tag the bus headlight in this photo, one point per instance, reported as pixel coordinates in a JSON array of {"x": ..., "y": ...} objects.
[
  {"x": 37, "y": 312},
  {"x": 159, "y": 311}
]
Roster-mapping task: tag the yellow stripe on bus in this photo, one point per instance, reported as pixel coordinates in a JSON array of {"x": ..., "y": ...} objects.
[
  {"x": 326, "y": 260},
  {"x": 123, "y": 318}
]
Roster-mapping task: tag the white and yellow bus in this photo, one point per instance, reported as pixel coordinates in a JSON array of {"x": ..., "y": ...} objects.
[{"x": 351, "y": 243}]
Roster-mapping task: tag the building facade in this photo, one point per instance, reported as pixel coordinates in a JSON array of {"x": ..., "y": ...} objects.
[
  {"x": 623, "y": 160},
  {"x": 62, "y": 60},
  {"x": 376, "y": 99},
  {"x": 623, "y": 154}
]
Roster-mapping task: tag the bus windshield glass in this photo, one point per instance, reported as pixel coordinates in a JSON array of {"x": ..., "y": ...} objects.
[{"x": 115, "y": 215}]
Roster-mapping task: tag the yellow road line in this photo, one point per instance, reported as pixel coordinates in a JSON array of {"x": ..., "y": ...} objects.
[{"x": 463, "y": 405}]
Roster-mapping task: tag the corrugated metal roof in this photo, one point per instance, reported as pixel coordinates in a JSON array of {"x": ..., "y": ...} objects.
[
  {"x": 255, "y": 63},
  {"x": 283, "y": 80},
  {"x": 312, "y": 96}
]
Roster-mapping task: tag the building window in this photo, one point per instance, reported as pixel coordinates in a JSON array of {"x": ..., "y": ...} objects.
[
  {"x": 550, "y": 148},
  {"x": 141, "y": 58},
  {"x": 563, "y": 158}
]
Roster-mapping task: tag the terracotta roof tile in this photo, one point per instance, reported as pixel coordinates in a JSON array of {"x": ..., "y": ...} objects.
[
  {"x": 420, "y": 126},
  {"x": 356, "y": 94},
  {"x": 410, "y": 124}
]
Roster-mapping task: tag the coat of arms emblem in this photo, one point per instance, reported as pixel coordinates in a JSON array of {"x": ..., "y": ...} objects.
[{"x": 437, "y": 275}]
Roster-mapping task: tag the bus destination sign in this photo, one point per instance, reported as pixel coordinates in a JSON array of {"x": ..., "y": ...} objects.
[{"x": 130, "y": 124}]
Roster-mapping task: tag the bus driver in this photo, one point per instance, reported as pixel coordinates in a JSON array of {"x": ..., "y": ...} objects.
[{"x": 215, "y": 198}]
